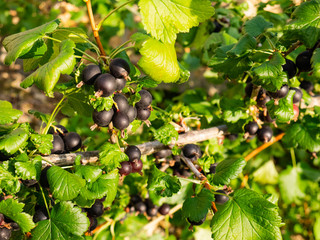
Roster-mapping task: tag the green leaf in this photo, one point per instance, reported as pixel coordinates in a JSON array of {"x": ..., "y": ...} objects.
[
  {"x": 64, "y": 185},
  {"x": 247, "y": 215},
  {"x": 162, "y": 184},
  {"x": 77, "y": 35},
  {"x": 21, "y": 43},
  {"x": 7, "y": 113},
  {"x": 256, "y": 26},
  {"x": 270, "y": 74},
  {"x": 89, "y": 173},
  {"x": 166, "y": 134},
  {"x": 243, "y": 46},
  {"x": 205, "y": 163},
  {"x": 79, "y": 103},
  {"x": 283, "y": 112},
  {"x": 305, "y": 24},
  {"x": 233, "y": 110},
  {"x": 42, "y": 142},
  {"x": 111, "y": 156},
  {"x": 101, "y": 103},
  {"x": 43, "y": 117},
  {"x": 14, "y": 210},
  {"x": 159, "y": 60},
  {"x": 291, "y": 185},
  {"x": 305, "y": 135},
  {"x": 29, "y": 169},
  {"x": 315, "y": 61},
  {"x": 47, "y": 76},
  {"x": 266, "y": 174},
  {"x": 13, "y": 141},
  {"x": 9, "y": 183},
  {"x": 66, "y": 222},
  {"x": 196, "y": 207},
  {"x": 227, "y": 170},
  {"x": 164, "y": 19}
]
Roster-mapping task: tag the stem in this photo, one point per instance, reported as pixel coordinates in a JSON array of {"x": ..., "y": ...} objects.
[
  {"x": 270, "y": 42},
  {"x": 263, "y": 146},
  {"x": 189, "y": 180},
  {"x": 119, "y": 51},
  {"x": 94, "y": 28},
  {"x": 119, "y": 47},
  {"x": 293, "y": 47},
  {"x": 53, "y": 114},
  {"x": 88, "y": 41},
  {"x": 293, "y": 158},
  {"x": 193, "y": 168},
  {"x": 45, "y": 200},
  {"x": 110, "y": 13}
]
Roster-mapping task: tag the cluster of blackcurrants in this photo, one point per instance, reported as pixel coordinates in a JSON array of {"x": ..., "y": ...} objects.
[
  {"x": 95, "y": 211},
  {"x": 6, "y": 227},
  {"x": 136, "y": 204},
  {"x": 64, "y": 141},
  {"x": 265, "y": 133},
  {"x": 106, "y": 84},
  {"x": 134, "y": 165}
]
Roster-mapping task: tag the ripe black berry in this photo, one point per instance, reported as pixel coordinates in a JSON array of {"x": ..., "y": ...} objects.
[
  {"x": 102, "y": 118},
  {"x": 59, "y": 129},
  {"x": 290, "y": 68},
  {"x": 133, "y": 152},
  {"x": 307, "y": 85},
  {"x": 96, "y": 209},
  {"x": 152, "y": 212},
  {"x": 43, "y": 177},
  {"x": 57, "y": 145},
  {"x": 303, "y": 61},
  {"x": 120, "y": 83},
  {"x": 132, "y": 113},
  {"x": 93, "y": 223},
  {"x": 5, "y": 233},
  {"x": 265, "y": 134},
  {"x": 162, "y": 153},
  {"x": 213, "y": 167},
  {"x": 126, "y": 168},
  {"x": 72, "y": 141},
  {"x": 248, "y": 89},
  {"x": 281, "y": 93},
  {"x": 122, "y": 102},
  {"x": 297, "y": 96},
  {"x": 119, "y": 68},
  {"x": 143, "y": 114},
  {"x": 140, "y": 207},
  {"x": 194, "y": 223},
  {"x": 136, "y": 165},
  {"x": 220, "y": 199},
  {"x": 29, "y": 183},
  {"x": 135, "y": 199},
  {"x": 15, "y": 226},
  {"x": 262, "y": 98},
  {"x": 40, "y": 215},
  {"x": 120, "y": 120},
  {"x": 164, "y": 209},
  {"x": 251, "y": 128},
  {"x": 146, "y": 99},
  {"x": 217, "y": 26},
  {"x": 106, "y": 83},
  {"x": 191, "y": 150},
  {"x": 266, "y": 118},
  {"x": 90, "y": 74}
]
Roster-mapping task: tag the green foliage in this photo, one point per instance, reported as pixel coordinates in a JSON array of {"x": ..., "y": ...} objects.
[
  {"x": 8, "y": 115},
  {"x": 166, "y": 134},
  {"x": 283, "y": 112}
]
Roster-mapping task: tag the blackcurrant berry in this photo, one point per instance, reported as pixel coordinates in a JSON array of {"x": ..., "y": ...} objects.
[
  {"x": 106, "y": 83},
  {"x": 136, "y": 165},
  {"x": 93, "y": 223},
  {"x": 90, "y": 74},
  {"x": 162, "y": 153},
  {"x": 135, "y": 199},
  {"x": 303, "y": 61},
  {"x": 120, "y": 83},
  {"x": 146, "y": 99},
  {"x": 266, "y": 118},
  {"x": 281, "y": 93},
  {"x": 30, "y": 182},
  {"x": 248, "y": 89},
  {"x": 194, "y": 223},
  {"x": 262, "y": 98},
  {"x": 132, "y": 113},
  {"x": 133, "y": 152},
  {"x": 5, "y": 233},
  {"x": 217, "y": 26},
  {"x": 96, "y": 209},
  {"x": 191, "y": 150},
  {"x": 43, "y": 177},
  {"x": 140, "y": 207},
  {"x": 120, "y": 120},
  {"x": 220, "y": 199},
  {"x": 126, "y": 168},
  {"x": 143, "y": 114},
  {"x": 15, "y": 226},
  {"x": 122, "y": 103},
  {"x": 232, "y": 136},
  {"x": 152, "y": 212},
  {"x": 40, "y": 215},
  {"x": 57, "y": 145},
  {"x": 290, "y": 68},
  {"x": 72, "y": 141},
  {"x": 251, "y": 128},
  {"x": 59, "y": 129},
  {"x": 307, "y": 85},
  {"x": 265, "y": 134},
  {"x": 164, "y": 209},
  {"x": 297, "y": 96},
  {"x": 119, "y": 68},
  {"x": 102, "y": 118},
  {"x": 213, "y": 167}
]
